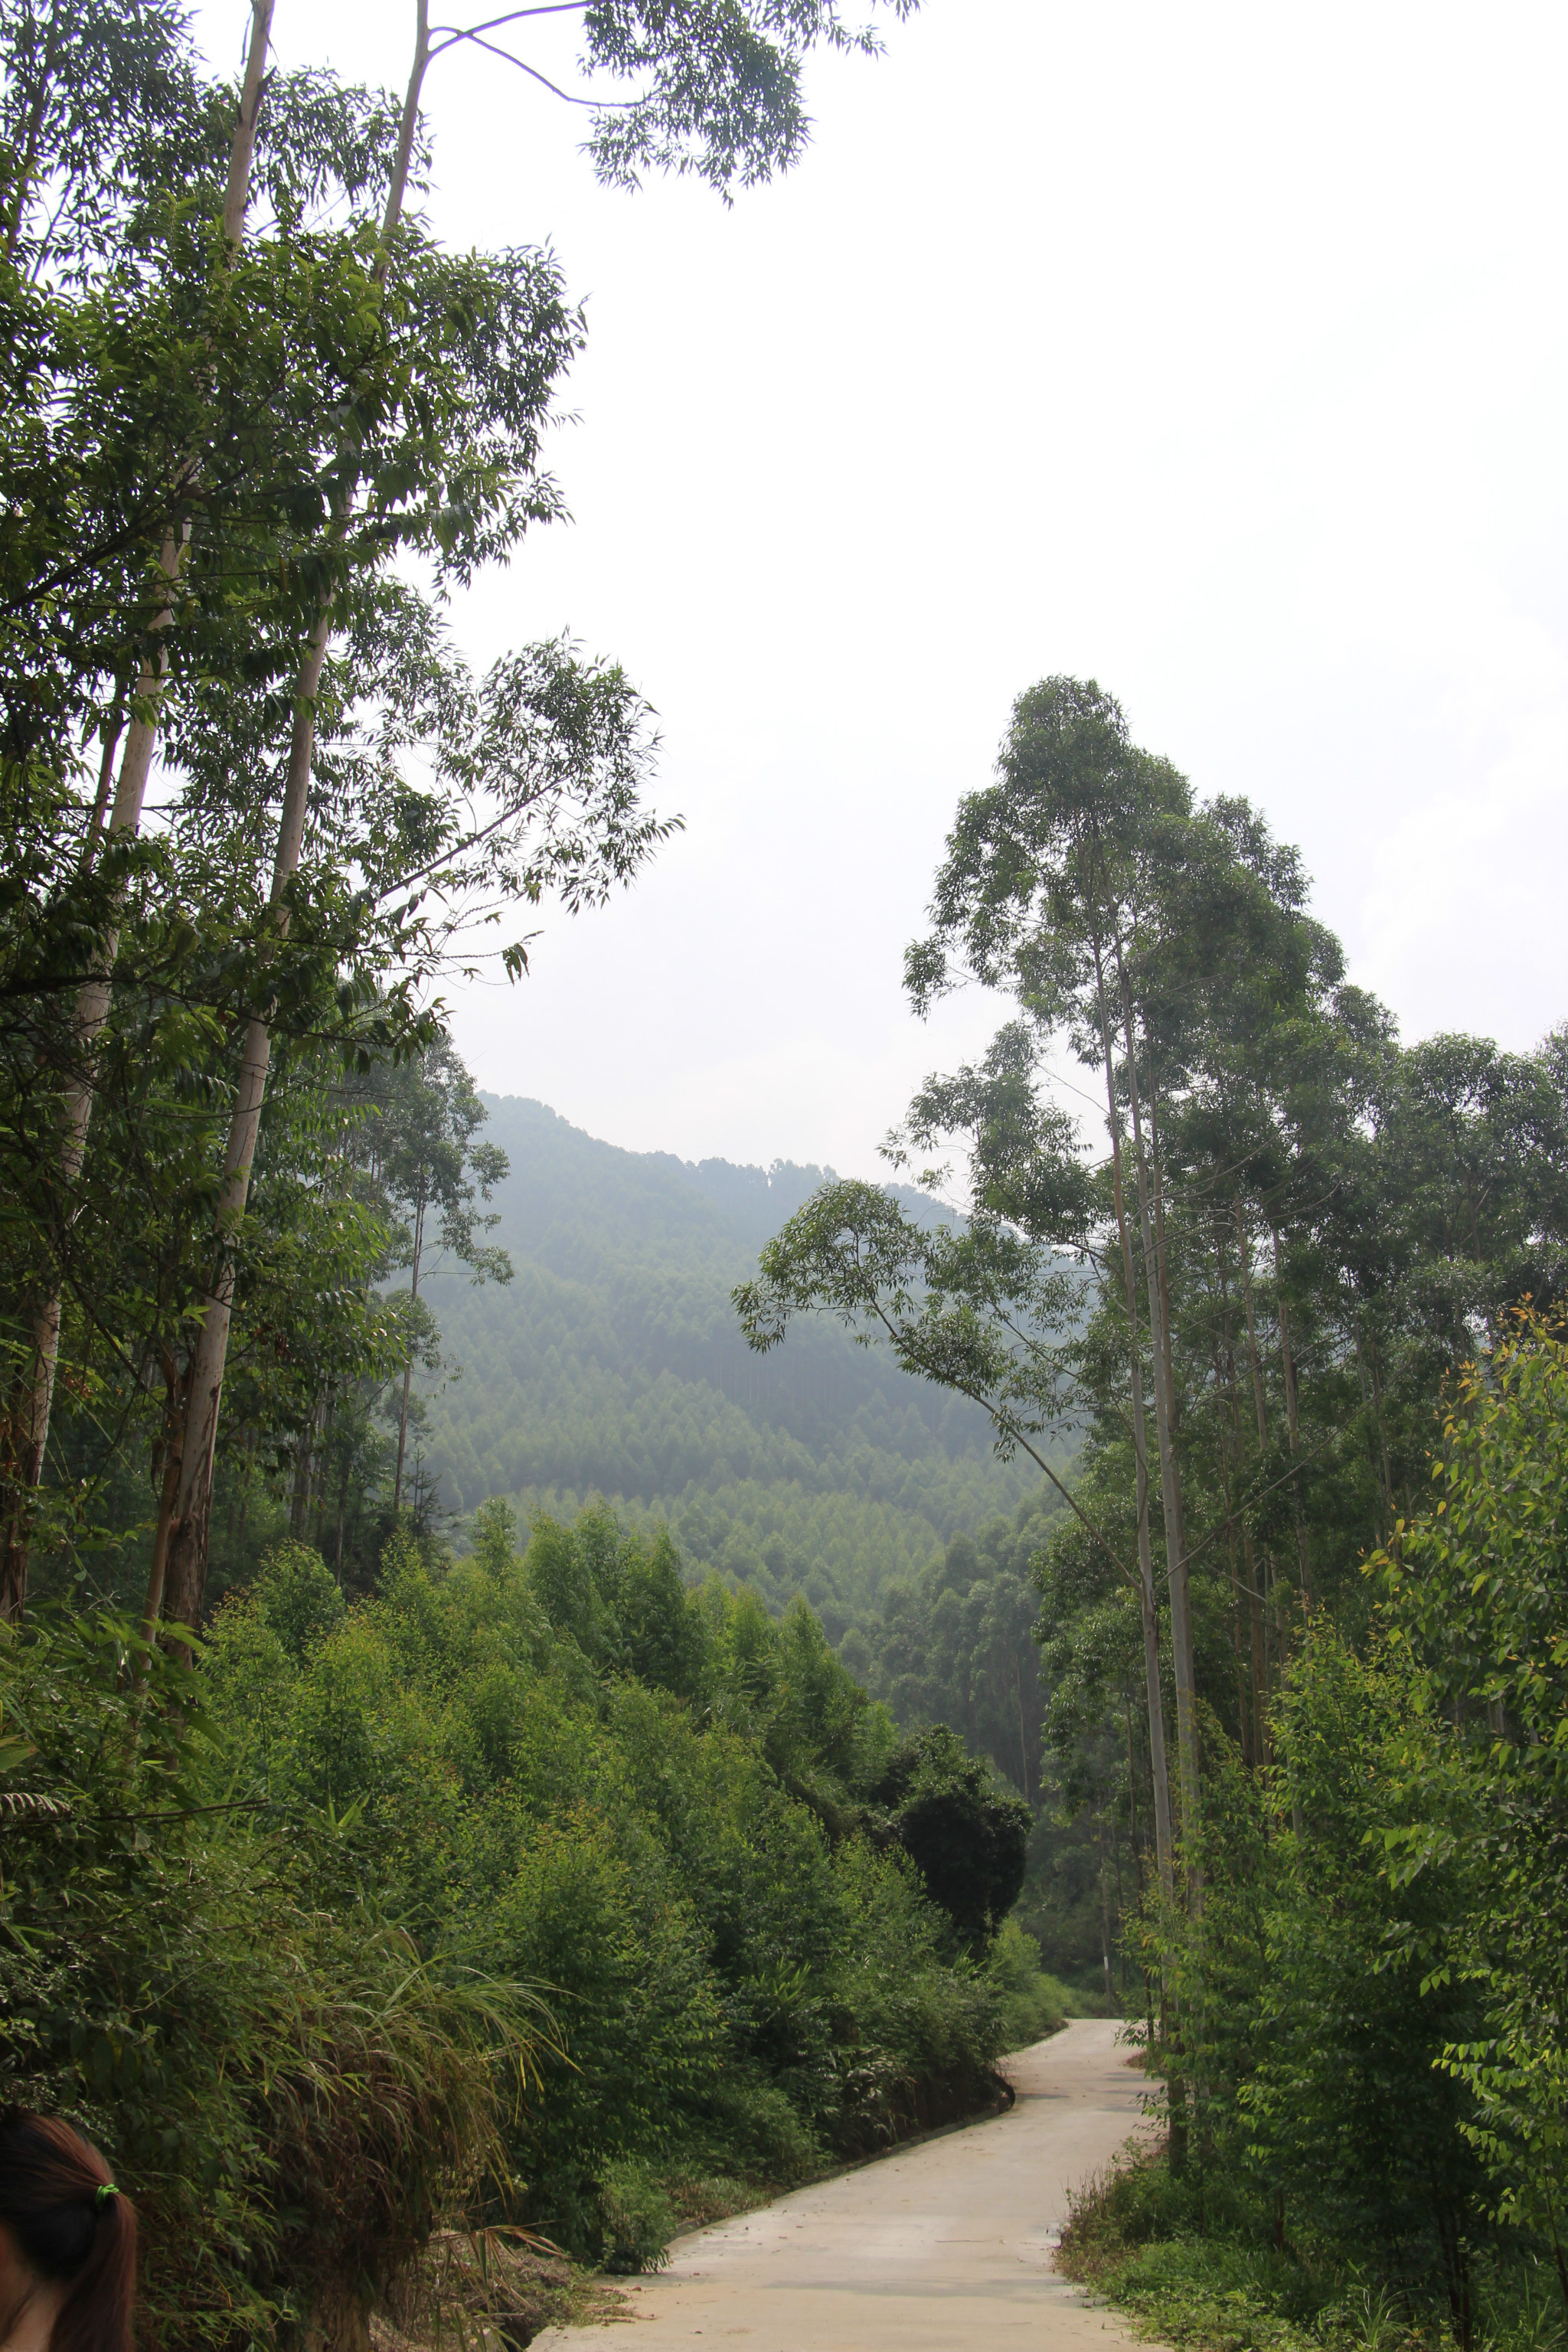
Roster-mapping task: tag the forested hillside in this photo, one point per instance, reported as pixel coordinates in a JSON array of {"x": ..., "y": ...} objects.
[{"x": 612, "y": 1364}]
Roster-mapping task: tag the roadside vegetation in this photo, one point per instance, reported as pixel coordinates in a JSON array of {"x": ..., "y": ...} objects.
[{"x": 537, "y": 1889}]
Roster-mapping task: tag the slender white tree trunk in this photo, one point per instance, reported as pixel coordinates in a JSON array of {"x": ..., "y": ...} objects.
[
  {"x": 1182, "y": 1650},
  {"x": 192, "y": 1504},
  {"x": 1158, "y": 1770},
  {"x": 1292, "y": 1423}
]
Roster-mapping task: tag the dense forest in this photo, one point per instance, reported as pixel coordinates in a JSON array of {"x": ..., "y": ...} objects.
[
  {"x": 1302, "y": 1628},
  {"x": 555, "y": 1691}
]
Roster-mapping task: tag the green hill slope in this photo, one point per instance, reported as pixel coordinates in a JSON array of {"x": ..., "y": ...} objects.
[{"x": 612, "y": 1365}]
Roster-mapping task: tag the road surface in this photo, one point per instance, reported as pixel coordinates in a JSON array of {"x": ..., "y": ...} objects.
[{"x": 944, "y": 2245}]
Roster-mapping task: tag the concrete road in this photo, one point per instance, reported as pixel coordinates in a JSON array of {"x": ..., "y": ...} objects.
[{"x": 944, "y": 2245}]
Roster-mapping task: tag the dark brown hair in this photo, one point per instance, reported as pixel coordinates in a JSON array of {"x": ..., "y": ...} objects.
[{"x": 50, "y": 2181}]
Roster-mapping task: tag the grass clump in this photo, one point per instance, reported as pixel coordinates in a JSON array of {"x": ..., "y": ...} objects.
[{"x": 491, "y": 2290}]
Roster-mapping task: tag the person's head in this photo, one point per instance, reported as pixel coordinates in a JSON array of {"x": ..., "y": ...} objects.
[{"x": 71, "y": 2235}]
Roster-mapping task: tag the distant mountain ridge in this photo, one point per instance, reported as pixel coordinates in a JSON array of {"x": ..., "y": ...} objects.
[{"x": 612, "y": 1364}]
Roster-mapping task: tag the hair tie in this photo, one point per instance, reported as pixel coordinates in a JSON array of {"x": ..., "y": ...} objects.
[{"x": 107, "y": 2189}]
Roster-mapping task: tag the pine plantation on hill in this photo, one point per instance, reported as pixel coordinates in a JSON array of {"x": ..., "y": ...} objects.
[{"x": 612, "y": 1365}]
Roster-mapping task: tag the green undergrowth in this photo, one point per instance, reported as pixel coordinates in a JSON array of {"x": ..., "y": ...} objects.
[
  {"x": 1034, "y": 2002},
  {"x": 1194, "y": 2261},
  {"x": 537, "y": 1892}
]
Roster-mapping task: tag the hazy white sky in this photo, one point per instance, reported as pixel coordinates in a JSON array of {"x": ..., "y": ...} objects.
[{"x": 1217, "y": 351}]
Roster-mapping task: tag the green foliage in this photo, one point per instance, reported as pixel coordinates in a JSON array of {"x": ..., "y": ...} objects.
[
  {"x": 298, "y": 1599},
  {"x": 957, "y": 1645},
  {"x": 639, "y": 2218},
  {"x": 1317, "y": 1996},
  {"x": 1248, "y": 1312},
  {"x": 291, "y": 2091},
  {"x": 611, "y": 1367},
  {"x": 1346, "y": 2107},
  {"x": 1193, "y": 2263},
  {"x": 1479, "y": 1585},
  {"x": 966, "y": 1644},
  {"x": 444, "y": 1902},
  {"x": 270, "y": 1924},
  {"x": 676, "y": 1815},
  {"x": 1349, "y": 1926},
  {"x": 967, "y": 1836},
  {"x": 1032, "y": 2003},
  {"x": 725, "y": 107}
]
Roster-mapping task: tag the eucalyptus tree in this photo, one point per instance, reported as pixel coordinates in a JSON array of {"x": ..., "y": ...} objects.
[
  {"x": 1046, "y": 876},
  {"x": 1311, "y": 1244},
  {"x": 177, "y": 394},
  {"x": 1232, "y": 982},
  {"x": 452, "y": 800},
  {"x": 720, "y": 97}
]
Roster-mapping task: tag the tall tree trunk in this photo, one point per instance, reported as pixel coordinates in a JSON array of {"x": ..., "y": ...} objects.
[
  {"x": 1254, "y": 1360},
  {"x": 1258, "y": 1631},
  {"x": 325, "y": 1421},
  {"x": 173, "y": 1425},
  {"x": 1159, "y": 1770},
  {"x": 1182, "y": 1648},
  {"x": 193, "y": 1503},
  {"x": 242, "y": 146},
  {"x": 1238, "y": 1648},
  {"x": 1292, "y": 1416},
  {"x": 93, "y": 999},
  {"x": 342, "y": 1509},
  {"x": 1105, "y": 1917},
  {"x": 31, "y": 1415},
  {"x": 397, "y": 187},
  {"x": 1167, "y": 1320},
  {"x": 408, "y": 1367},
  {"x": 1374, "y": 1370},
  {"x": 189, "y": 1543},
  {"x": 1244, "y": 1252},
  {"x": 299, "y": 1502},
  {"x": 247, "y": 1475}
]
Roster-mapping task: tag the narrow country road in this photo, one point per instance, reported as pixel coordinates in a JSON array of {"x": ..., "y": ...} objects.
[{"x": 948, "y": 2244}]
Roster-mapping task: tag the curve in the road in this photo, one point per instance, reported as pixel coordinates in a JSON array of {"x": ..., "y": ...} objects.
[{"x": 946, "y": 2244}]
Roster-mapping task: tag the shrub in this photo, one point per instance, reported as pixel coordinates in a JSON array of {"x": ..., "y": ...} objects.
[
  {"x": 638, "y": 2219},
  {"x": 292, "y": 2096},
  {"x": 1032, "y": 2003}
]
